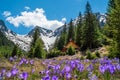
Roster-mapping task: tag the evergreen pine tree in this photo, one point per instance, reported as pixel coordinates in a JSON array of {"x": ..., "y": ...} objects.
[
  {"x": 36, "y": 49},
  {"x": 111, "y": 5},
  {"x": 114, "y": 23},
  {"x": 62, "y": 39},
  {"x": 89, "y": 38},
  {"x": 79, "y": 30},
  {"x": 71, "y": 32},
  {"x": 14, "y": 51},
  {"x": 38, "y": 52},
  {"x": 35, "y": 36}
]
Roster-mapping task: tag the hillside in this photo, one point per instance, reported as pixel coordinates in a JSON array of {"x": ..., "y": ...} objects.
[{"x": 6, "y": 45}]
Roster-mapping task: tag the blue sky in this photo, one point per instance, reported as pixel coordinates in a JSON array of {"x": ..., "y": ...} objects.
[{"x": 22, "y": 15}]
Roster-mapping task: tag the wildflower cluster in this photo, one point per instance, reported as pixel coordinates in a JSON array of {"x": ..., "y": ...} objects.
[{"x": 73, "y": 69}]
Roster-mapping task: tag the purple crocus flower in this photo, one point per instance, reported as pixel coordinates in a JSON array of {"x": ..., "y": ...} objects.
[
  {"x": 68, "y": 75},
  {"x": 11, "y": 59},
  {"x": 31, "y": 62},
  {"x": 94, "y": 77},
  {"x": 14, "y": 72},
  {"x": 54, "y": 78},
  {"x": 77, "y": 61},
  {"x": 56, "y": 69},
  {"x": 118, "y": 67},
  {"x": 14, "y": 66},
  {"x": 1, "y": 77},
  {"x": 72, "y": 64},
  {"x": 15, "y": 57},
  {"x": 94, "y": 61},
  {"x": 47, "y": 77},
  {"x": 3, "y": 72},
  {"x": 86, "y": 60},
  {"x": 0, "y": 74},
  {"x": 23, "y": 75},
  {"x": 8, "y": 74},
  {"x": 21, "y": 62},
  {"x": 26, "y": 62},
  {"x": 90, "y": 67},
  {"x": 102, "y": 69},
  {"x": 33, "y": 70},
  {"x": 80, "y": 67},
  {"x": 89, "y": 75},
  {"x": 47, "y": 72},
  {"x": 20, "y": 76},
  {"x": 51, "y": 66},
  {"x": 67, "y": 69},
  {"x": 23, "y": 59},
  {"x": 112, "y": 68}
]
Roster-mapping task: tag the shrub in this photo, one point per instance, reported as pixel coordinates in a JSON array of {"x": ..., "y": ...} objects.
[
  {"x": 71, "y": 51},
  {"x": 89, "y": 55},
  {"x": 54, "y": 53},
  {"x": 81, "y": 58},
  {"x": 14, "y": 51},
  {"x": 97, "y": 54},
  {"x": 112, "y": 52}
]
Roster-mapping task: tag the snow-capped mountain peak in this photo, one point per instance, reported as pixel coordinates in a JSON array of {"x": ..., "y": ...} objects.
[{"x": 48, "y": 36}]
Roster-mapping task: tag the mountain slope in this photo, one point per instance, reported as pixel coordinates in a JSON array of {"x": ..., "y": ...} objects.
[
  {"x": 48, "y": 36},
  {"x": 9, "y": 38},
  {"x": 3, "y": 39},
  {"x": 6, "y": 45}
]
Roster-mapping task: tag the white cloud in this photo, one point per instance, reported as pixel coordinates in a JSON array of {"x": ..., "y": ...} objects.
[
  {"x": 6, "y": 13},
  {"x": 64, "y": 20},
  {"x": 34, "y": 18},
  {"x": 27, "y": 8}
]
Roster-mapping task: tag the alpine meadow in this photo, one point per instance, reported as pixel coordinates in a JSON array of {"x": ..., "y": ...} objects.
[{"x": 60, "y": 40}]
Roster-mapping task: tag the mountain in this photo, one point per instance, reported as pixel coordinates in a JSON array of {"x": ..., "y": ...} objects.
[
  {"x": 23, "y": 41},
  {"x": 9, "y": 38},
  {"x": 43, "y": 31},
  {"x": 102, "y": 19},
  {"x": 6, "y": 45},
  {"x": 48, "y": 36},
  {"x": 4, "y": 41},
  {"x": 4, "y": 29}
]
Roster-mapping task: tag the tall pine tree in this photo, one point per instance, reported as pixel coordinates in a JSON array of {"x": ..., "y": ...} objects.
[
  {"x": 62, "y": 39},
  {"x": 114, "y": 23},
  {"x": 14, "y": 51},
  {"x": 35, "y": 36},
  {"x": 36, "y": 49},
  {"x": 71, "y": 32},
  {"x": 79, "y": 30},
  {"x": 89, "y": 38},
  {"x": 111, "y": 6}
]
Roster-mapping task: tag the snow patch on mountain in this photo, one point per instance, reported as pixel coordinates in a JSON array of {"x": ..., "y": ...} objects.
[
  {"x": 48, "y": 41},
  {"x": 22, "y": 41}
]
